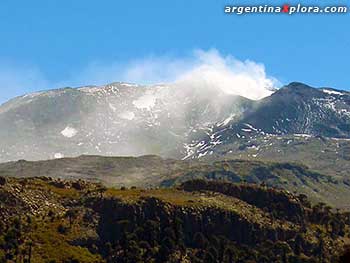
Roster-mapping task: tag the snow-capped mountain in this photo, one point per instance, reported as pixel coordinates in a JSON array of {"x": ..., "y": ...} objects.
[
  {"x": 296, "y": 109},
  {"x": 116, "y": 119},
  {"x": 168, "y": 120}
]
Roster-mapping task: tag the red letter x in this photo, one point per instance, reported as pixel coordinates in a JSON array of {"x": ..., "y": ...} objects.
[{"x": 285, "y": 9}]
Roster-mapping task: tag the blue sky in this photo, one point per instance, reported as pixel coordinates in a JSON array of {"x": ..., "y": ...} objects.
[{"x": 47, "y": 44}]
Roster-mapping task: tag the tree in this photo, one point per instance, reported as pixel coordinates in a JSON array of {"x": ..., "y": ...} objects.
[
  {"x": 283, "y": 249},
  {"x": 51, "y": 215},
  {"x": 209, "y": 258},
  {"x": 71, "y": 214},
  {"x": 2, "y": 180},
  {"x": 62, "y": 229},
  {"x": 200, "y": 241},
  {"x": 298, "y": 244},
  {"x": 163, "y": 254},
  {"x": 152, "y": 229},
  {"x": 133, "y": 254},
  {"x": 30, "y": 248},
  {"x": 345, "y": 257},
  {"x": 229, "y": 255},
  {"x": 101, "y": 190}
]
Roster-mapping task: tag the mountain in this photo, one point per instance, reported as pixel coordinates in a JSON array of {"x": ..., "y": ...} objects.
[
  {"x": 153, "y": 171},
  {"x": 296, "y": 124},
  {"x": 172, "y": 120},
  {"x": 300, "y": 109},
  {"x": 199, "y": 221},
  {"x": 295, "y": 109},
  {"x": 116, "y": 119}
]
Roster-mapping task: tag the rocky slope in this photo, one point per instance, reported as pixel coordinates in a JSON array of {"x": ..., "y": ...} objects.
[{"x": 199, "y": 221}]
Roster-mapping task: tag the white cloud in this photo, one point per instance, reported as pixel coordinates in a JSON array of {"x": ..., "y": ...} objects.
[
  {"x": 201, "y": 69},
  {"x": 229, "y": 75},
  {"x": 148, "y": 70}
]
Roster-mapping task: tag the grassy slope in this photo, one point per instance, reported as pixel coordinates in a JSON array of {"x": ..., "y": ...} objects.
[{"x": 151, "y": 171}]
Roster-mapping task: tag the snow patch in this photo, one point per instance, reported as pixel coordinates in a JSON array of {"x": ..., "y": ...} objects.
[
  {"x": 127, "y": 115},
  {"x": 202, "y": 154},
  {"x": 69, "y": 132},
  {"x": 111, "y": 106},
  {"x": 147, "y": 101},
  {"x": 33, "y": 95},
  {"x": 332, "y": 92},
  {"x": 58, "y": 155},
  {"x": 226, "y": 121},
  {"x": 250, "y": 127},
  {"x": 90, "y": 89},
  {"x": 302, "y": 135},
  {"x": 128, "y": 84}
]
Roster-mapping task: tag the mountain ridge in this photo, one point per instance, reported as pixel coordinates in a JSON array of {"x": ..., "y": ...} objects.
[
  {"x": 153, "y": 171},
  {"x": 129, "y": 119}
]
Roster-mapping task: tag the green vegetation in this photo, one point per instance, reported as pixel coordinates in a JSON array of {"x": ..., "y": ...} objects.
[
  {"x": 153, "y": 171},
  {"x": 46, "y": 220}
]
